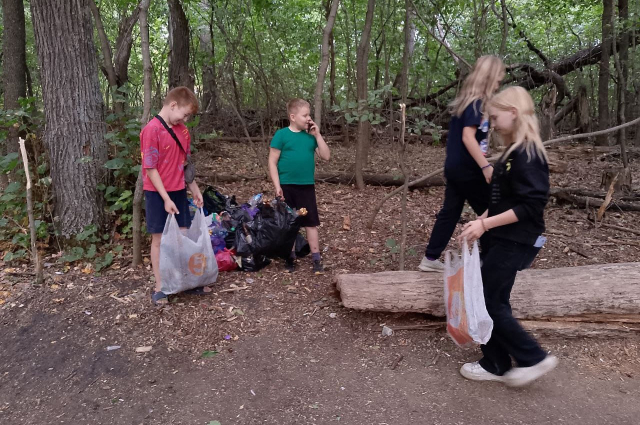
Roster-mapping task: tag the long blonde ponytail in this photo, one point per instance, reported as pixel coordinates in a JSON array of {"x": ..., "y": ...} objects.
[
  {"x": 480, "y": 84},
  {"x": 527, "y": 128}
]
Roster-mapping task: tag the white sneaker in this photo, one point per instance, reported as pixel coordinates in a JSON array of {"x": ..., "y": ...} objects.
[
  {"x": 427, "y": 265},
  {"x": 521, "y": 376},
  {"x": 475, "y": 372}
]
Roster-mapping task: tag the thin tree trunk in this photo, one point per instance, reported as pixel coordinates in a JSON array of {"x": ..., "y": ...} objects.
[
  {"x": 603, "y": 80},
  {"x": 179, "y": 73},
  {"x": 324, "y": 63},
  {"x": 621, "y": 101},
  {"x": 332, "y": 73},
  {"x": 623, "y": 63},
  {"x": 146, "y": 112},
  {"x": 69, "y": 75},
  {"x": 505, "y": 28},
  {"x": 364, "y": 126},
  {"x": 107, "y": 57},
  {"x": 209, "y": 84},
  {"x": 14, "y": 67},
  {"x": 409, "y": 43}
]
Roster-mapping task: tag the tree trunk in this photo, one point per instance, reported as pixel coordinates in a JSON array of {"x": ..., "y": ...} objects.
[
  {"x": 73, "y": 110},
  {"x": 179, "y": 73},
  {"x": 14, "y": 66},
  {"x": 407, "y": 52},
  {"x": 505, "y": 28},
  {"x": 623, "y": 63},
  {"x": 209, "y": 83},
  {"x": 603, "y": 76},
  {"x": 364, "y": 126},
  {"x": 124, "y": 43},
  {"x": 146, "y": 112},
  {"x": 332, "y": 73},
  {"x": 537, "y": 293},
  {"x": 324, "y": 63}
]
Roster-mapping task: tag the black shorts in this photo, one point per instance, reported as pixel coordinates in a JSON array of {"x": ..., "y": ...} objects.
[
  {"x": 156, "y": 215},
  {"x": 303, "y": 196}
]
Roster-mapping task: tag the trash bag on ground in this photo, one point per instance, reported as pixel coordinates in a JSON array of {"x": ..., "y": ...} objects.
[
  {"x": 272, "y": 232},
  {"x": 302, "y": 246},
  {"x": 226, "y": 260},
  {"x": 187, "y": 260},
  {"x": 253, "y": 263},
  {"x": 468, "y": 322},
  {"x": 218, "y": 233},
  {"x": 214, "y": 201}
]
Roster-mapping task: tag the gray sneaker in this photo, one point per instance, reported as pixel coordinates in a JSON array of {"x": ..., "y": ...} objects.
[{"x": 427, "y": 265}]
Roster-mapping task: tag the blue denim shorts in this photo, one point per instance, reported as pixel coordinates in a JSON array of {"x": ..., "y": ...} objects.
[{"x": 155, "y": 214}]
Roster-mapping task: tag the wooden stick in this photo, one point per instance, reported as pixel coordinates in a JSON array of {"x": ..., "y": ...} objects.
[
  {"x": 32, "y": 224},
  {"x": 405, "y": 186}
]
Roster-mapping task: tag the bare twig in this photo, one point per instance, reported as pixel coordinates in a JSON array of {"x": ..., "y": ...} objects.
[{"x": 35, "y": 259}]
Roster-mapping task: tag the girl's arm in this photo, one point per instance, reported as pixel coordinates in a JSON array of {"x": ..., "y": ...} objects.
[{"x": 470, "y": 142}]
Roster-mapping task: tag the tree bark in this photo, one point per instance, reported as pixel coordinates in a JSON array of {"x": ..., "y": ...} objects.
[
  {"x": 537, "y": 293},
  {"x": 73, "y": 110},
  {"x": 209, "y": 81},
  {"x": 146, "y": 112},
  {"x": 622, "y": 61},
  {"x": 505, "y": 28},
  {"x": 14, "y": 66},
  {"x": 324, "y": 63},
  {"x": 364, "y": 126},
  {"x": 179, "y": 73},
  {"x": 603, "y": 75}
]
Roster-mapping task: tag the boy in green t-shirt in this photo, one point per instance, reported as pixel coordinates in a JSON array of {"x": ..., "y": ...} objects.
[{"x": 292, "y": 168}]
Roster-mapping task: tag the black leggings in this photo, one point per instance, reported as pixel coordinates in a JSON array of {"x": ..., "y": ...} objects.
[{"x": 476, "y": 192}]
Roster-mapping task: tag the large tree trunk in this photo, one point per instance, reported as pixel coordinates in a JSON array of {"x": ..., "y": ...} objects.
[
  {"x": 14, "y": 65},
  {"x": 179, "y": 73},
  {"x": 603, "y": 76},
  {"x": 364, "y": 126},
  {"x": 567, "y": 291},
  {"x": 73, "y": 110},
  {"x": 146, "y": 112},
  {"x": 324, "y": 62}
]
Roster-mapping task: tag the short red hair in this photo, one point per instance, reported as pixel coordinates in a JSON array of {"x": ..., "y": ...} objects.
[{"x": 183, "y": 97}]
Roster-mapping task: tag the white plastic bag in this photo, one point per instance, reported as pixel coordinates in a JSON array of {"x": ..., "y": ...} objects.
[
  {"x": 468, "y": 322},
  {"x": 186, "y": 260}
]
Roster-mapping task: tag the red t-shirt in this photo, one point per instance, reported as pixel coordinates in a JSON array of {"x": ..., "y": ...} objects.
[{"x": 160, "y": 151}]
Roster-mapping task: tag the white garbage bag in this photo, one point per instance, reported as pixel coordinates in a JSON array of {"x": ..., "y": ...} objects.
[
  {"x": 468, "y": 322},
  {"x": 186, "y": 260}
]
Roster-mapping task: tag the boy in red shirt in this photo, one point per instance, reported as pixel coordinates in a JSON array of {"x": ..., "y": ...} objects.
[{"x": 163, "y": 163}]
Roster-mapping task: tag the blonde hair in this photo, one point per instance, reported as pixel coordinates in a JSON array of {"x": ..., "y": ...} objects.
[
  {"x": 479, "y": 84},
  {"x": 294, "y": 104},
  {"x": 526, "y": 127}
]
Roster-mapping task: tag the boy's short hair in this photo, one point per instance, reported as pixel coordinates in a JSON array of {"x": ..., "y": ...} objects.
[
  {"x": 294, "y": 104},
  {"x": 183, "y": 96}
]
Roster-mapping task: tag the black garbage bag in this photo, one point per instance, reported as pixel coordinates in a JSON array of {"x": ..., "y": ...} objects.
[
  {"x": 253, "y": 263},
  {"x": 272, "y": 232},
  {"x": 302, "y": 246},
  {"x": 214, "y": 201}
]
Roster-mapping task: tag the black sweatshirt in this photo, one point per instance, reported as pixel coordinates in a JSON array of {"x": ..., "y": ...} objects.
[{"x": 522, "y": 185}]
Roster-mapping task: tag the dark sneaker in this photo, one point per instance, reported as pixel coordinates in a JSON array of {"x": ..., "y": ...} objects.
[
  {"x": 290, "y": 265},
  {"x": 317, "y": 267}
]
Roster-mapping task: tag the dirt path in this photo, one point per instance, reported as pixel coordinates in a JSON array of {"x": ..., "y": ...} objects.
[
  {"x": 273, "y": 354},
  {"x": 288, "y": 368}
]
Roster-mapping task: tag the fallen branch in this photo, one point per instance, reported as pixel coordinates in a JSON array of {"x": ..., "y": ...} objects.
[
  {"x": 493, "y": 159},
  {"x": 584, "y": 201},
  {"x": 621, "y": 242},
  {"x": 35, "y": 258}
]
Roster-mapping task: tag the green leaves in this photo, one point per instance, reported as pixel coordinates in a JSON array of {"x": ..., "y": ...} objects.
[{"x": 114, "y": 164}]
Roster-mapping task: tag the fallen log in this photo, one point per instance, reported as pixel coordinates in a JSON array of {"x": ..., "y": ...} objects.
[
  {"x": 333, "y": 178},
  {"x": 583, "y": 201},
  {"x": 537, "y": 293}
]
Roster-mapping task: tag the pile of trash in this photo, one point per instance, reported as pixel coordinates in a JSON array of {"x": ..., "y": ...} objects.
[{"x": 248, "y": 236}]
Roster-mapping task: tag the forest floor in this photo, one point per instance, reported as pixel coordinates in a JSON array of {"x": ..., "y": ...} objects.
[{"x": 283, "y": 350}]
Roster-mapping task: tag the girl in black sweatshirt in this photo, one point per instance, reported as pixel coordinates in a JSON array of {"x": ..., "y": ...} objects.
[{"x": 515, "y": 223}]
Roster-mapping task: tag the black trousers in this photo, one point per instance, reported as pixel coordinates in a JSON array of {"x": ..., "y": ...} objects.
[
  {"x": 502, "y": 260},
  {"x": 476, "y": 192}
]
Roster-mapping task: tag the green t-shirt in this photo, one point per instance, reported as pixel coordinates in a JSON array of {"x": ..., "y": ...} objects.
[{"x": 297, "y": 163}]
